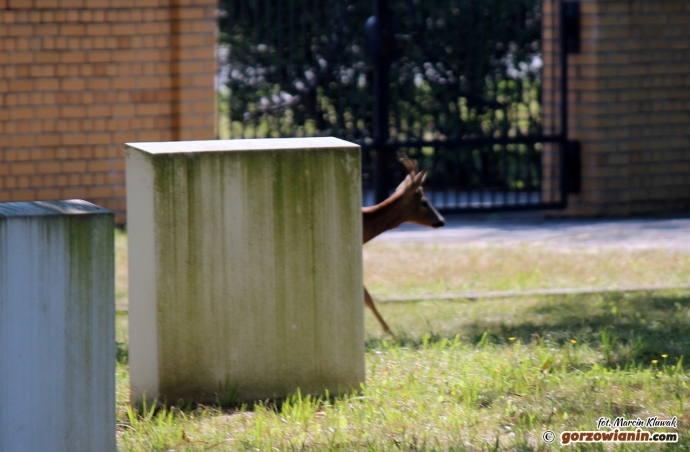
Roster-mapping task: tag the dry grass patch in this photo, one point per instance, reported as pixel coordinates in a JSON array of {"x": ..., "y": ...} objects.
[
  {"x": 408, "y": 270},
  {"x": 121, "y": 277}
]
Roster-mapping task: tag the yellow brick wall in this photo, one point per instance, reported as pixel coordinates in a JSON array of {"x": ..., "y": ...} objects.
[
  {"x": 79, "y": 78},
  {"x": 629, "y": 105}
]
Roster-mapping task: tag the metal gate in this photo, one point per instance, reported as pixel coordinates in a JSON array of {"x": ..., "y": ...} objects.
[{"x": 456, "y": 84}]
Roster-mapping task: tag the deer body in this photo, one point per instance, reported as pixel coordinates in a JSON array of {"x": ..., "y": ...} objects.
[{"x": 406, "y": 204}]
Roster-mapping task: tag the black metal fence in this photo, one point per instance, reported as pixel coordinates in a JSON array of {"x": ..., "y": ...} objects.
[{"x": 456, "y": 84}]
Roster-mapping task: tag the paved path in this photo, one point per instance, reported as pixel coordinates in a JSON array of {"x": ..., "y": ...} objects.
[{"x": 506, "y": 229}]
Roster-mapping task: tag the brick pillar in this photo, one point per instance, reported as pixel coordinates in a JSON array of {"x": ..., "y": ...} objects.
[
  {"x": 551, "y": 101},
  {"x": 79, "y": 78},
  {"x": 629, "y": 105}
]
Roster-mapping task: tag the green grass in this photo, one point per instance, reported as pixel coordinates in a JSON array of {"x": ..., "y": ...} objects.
[
  {"x": 459, "y": 378},
  {"x": 485, "y": 375}
]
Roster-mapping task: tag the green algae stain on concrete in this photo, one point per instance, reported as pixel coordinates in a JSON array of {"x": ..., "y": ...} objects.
[
  {"x": 91, "y": 310},
  {"x": 177, "y": 307},
  {"x": 260, "y": 279}
]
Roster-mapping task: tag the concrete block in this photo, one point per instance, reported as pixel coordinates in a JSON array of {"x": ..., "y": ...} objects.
[
  {"x": 57, "y": 327},
  {"x": 245, "y": 269}
]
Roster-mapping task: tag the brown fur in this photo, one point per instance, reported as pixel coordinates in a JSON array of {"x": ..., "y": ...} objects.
[{"x": 408, "y": 203}]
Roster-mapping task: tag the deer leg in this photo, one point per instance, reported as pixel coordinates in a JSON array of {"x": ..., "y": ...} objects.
[{"x": 369, "y": 302}]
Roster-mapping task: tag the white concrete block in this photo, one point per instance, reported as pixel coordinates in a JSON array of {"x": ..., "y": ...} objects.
[
  {"x": 57, "y": 327},
  {"x": 245, "y": 269}
]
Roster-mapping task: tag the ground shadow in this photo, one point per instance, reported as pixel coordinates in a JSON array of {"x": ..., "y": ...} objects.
[{"x": 633, "y": 327}]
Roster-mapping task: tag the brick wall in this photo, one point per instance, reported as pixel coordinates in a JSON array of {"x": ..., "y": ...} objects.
[
  {"x": 79, "y": 78},
  {"x": 629, "y": 105}
]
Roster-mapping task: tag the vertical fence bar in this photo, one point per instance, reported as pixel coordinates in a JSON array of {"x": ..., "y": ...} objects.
[
  {"x": 381, "y": 99},
  {"x": 555, "y": 64}
]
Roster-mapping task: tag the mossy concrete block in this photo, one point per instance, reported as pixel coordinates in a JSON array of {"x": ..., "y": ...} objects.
[
  {"x": 57, "y": 327},
  {"x": 245, "y": 269}
]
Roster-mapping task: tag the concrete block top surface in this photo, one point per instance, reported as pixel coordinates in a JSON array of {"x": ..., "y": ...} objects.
[
  {"x": 41, "y": 208},
  {"x": 259, "y": 144}
]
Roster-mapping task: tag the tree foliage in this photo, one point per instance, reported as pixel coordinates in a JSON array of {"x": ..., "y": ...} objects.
[{"x": 462, "y": 68}]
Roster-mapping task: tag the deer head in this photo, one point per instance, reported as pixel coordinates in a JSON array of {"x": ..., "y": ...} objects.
[
  {"x": 414, "y": 203},
  {"x": 408, "y": 203}
]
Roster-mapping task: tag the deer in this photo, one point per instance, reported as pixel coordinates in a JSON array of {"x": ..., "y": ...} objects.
[{"x": 406, "y": 204}]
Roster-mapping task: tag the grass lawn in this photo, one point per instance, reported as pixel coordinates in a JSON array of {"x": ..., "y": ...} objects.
[{"x": 484, "y": 375}]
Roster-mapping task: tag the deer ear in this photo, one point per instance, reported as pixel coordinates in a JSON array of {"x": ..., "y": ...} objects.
[{"x": 420, "y": 178}]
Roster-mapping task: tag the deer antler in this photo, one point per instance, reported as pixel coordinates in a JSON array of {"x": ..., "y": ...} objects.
[{"x": 410, "y": 165}]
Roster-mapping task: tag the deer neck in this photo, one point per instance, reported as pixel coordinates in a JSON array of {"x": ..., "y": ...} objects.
[{"x": 383, "y": 217}]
